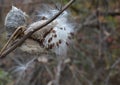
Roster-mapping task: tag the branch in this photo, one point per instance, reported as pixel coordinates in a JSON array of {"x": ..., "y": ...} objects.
[
  {"x": 90, "y": 22},
  {"x": 113, "y": 14},
  {"x": 110, "y": 71},
  {"x": 58, "y": 72},
  {"x": 31, "y": 32}
]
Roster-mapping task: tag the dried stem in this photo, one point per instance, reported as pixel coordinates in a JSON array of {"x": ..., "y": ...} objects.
[
  {"x": 13, "y": 36},
  {"x": 111, "y": 68},
  {"x": 99, "y": 27},
  {"x": 36, "y": 29},
  {"x": 58, "y": 73}
]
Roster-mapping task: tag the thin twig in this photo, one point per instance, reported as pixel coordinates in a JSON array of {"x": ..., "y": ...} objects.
[
  {"x": 113, "y": 14},
  {"x": 36, "y": 29},
  {"x": 99, "y": 27},
  {"x": 111, "y": 68},
  {"x": 49, "y": 71},
  {"x": 58, "y": 73}
]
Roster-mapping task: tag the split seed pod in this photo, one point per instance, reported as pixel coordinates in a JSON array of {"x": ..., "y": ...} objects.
[{"x": 14, "y": 19}]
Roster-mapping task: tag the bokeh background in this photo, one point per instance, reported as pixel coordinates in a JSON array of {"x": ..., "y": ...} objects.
[{"x": 95, "y": 53}]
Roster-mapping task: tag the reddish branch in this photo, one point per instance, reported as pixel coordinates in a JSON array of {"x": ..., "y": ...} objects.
[{"x": 113, "y": 14}]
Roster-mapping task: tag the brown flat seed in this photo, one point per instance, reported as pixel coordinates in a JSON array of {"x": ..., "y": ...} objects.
[
  {"x": 55, "y": 35},
  {"x": 71, "y": 33},
  {"x": 61, "y": 28},
  {"x": 50, "y": 46},
  {"x": 41, "y": 40},
  {"x": 67, "y": 44},
  {"x": 60, "y": 41},
  {"x": 50, "y": 40},
  {"x": 57, "y": 44},
  {"x": 44, "y": 18},
  {"x": 53, "y": 31}
]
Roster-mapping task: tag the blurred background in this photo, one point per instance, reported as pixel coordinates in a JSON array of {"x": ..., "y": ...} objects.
[{"x": 95, "y": 53}]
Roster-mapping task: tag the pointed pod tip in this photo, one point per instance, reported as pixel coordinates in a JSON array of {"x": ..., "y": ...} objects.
[{"x": 14, "y": 8}]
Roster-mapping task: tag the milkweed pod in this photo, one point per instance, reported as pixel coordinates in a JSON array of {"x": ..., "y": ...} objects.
[{"x": 15, "y": 18}]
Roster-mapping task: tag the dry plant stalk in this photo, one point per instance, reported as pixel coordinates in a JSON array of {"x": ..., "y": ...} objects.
[{"x": 13, "y": 37}]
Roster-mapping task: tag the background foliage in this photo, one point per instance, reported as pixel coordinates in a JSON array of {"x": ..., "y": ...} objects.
[{"x": 96, "y": 49}]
